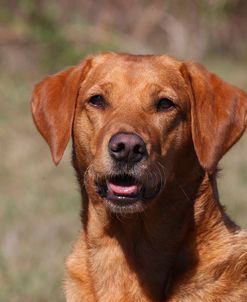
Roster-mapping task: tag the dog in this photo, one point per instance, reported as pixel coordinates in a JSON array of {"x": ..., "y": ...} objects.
[{"x": 148, "y": 132}]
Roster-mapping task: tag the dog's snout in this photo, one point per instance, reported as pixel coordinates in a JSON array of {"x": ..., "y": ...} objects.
[{"x": 127, "y": 147}]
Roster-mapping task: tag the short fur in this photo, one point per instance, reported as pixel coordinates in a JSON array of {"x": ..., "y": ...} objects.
[{"x": 180, "y": 246}]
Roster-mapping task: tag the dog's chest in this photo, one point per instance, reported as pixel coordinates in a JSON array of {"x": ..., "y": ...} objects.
[{"x": 112, "y": 277}]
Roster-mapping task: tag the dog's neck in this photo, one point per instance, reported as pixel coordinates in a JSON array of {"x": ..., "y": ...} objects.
[{"x": 156, "y": 245}]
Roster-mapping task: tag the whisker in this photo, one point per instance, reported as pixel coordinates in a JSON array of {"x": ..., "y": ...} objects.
[
  {"x": 162, "y": 170},
  {"x": 158, "y": 178},
  {"x": 183, "y": 191}
]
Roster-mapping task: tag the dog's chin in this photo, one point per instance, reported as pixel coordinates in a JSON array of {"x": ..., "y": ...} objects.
[{"x": 125, "y": 194}]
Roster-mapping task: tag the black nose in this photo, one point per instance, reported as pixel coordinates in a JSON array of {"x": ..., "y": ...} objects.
[{"x": 127, "y": 147}]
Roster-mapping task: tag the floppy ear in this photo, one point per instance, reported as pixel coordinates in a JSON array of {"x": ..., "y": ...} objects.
[
  {"x": 218, "y": 114},
  {"x": 53, "y": 106}
]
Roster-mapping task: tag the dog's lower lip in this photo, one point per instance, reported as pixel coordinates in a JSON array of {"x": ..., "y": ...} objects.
[{"x": 123, "y": 190}]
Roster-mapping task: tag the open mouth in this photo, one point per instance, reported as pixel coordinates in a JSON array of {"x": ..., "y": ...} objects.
[
  {"x": 125, "y": 188},
  {"x": 125, "y": 191},
  {"x": 121, "y": 188}
]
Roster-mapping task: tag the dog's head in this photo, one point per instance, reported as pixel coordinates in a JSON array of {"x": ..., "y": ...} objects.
[{"x": 138, "y": 122}]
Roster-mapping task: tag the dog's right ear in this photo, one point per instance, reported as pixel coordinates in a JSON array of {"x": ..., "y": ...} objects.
[{"x": 53, "y": 105}]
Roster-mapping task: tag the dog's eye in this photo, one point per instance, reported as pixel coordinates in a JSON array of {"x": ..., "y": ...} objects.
[
  {"x": 97, "y": 101},
  {"x": 164, "y": 104}
]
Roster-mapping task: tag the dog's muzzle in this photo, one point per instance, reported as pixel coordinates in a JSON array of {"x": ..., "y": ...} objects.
[{"x": 128, "y": 187}]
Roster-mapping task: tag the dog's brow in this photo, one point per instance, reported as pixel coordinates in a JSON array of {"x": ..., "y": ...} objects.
[
  {"x": 154, "y": 88},
  {"x": 104, "y": 87}
]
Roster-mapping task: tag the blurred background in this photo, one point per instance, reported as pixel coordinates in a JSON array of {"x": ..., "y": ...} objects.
[{"x": 40, "y": 203}]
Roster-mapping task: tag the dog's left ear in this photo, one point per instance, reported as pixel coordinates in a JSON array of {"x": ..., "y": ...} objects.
[
  {"x": 218, "y": 114},
  {"x": 53, "y": 106}
]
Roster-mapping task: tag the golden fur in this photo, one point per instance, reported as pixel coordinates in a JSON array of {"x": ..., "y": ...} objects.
[{"x": 180, "y": 246}]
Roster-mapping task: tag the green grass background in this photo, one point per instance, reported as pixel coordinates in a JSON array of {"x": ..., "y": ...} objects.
[{"x": 40, "y": 203}]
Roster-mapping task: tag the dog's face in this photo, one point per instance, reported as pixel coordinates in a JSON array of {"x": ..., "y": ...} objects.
[
  {"x": 130, "y": 122},
  {"x": 136, "y": 123}
]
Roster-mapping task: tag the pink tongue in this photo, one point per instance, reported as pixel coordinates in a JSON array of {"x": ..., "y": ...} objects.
[{"x": 124, "y": 190}]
